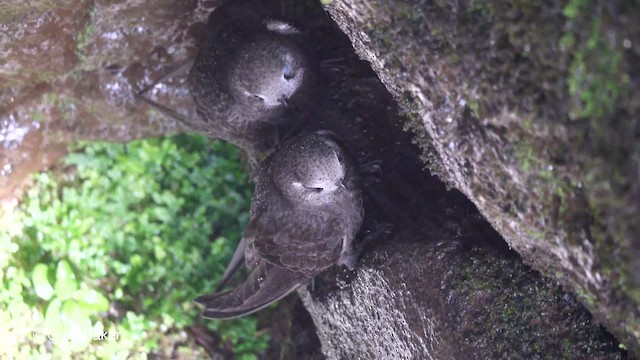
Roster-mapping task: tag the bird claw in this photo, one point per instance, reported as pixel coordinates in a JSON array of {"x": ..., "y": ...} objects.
[{"x": 350, "y": 260}]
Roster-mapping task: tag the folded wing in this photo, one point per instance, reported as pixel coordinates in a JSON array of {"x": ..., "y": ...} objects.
[{"x": 265, "y": 285}]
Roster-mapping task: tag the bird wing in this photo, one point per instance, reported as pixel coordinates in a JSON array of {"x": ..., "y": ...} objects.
[
  {"x": 265, "y": 285},
  {"x": 234, "y": 264},
  {"x": 305, "y": 243},
  {"x": 259, "y": 209}
]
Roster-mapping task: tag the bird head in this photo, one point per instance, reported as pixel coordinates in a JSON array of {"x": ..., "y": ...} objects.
[
  {"x": 269, "y": 71},
  {"x": 313, "y": 171}
]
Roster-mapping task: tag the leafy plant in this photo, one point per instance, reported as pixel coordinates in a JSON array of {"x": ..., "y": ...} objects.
[
  {"x": 124, "y": 240},
  {"x": 70, "y": 306}
]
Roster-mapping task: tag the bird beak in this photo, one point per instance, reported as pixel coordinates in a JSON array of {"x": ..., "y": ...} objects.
[{"x": 342, "y": 185}]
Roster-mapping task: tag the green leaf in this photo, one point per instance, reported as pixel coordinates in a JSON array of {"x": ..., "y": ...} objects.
[
  {"x": 91, "y": 301},
  {"x": 53, "y": 323},
  {"x": 66, "y": 283},
  {"x": 77, "y": 324},
  {"x": 159, "y": 252},
  {"x": 43, "y": 288}
]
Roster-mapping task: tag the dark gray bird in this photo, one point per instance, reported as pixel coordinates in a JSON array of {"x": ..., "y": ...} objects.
[
  {"x": 251, "y": 80},
  {"x": 306, "y": 211}
]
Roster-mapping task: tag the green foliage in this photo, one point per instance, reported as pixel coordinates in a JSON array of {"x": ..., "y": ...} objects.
[{"x": 143, "y": 227}]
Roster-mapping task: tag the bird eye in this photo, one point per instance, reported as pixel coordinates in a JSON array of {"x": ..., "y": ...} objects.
[
  {"x": 259, "y": 97},
  {"x": 287, "y": 72},
  {"x": 314, "y": 189}
]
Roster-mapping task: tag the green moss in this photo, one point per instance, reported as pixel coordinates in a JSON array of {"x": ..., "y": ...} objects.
[
  {"x": 422, "y": 138},
  {"x": 483, "y": 9},
  {"x": 523, "y": 304},
  {"x": 566, "y": 353},
  {"x": 536, "y": 234},
  {"x": 67, "y": 106},
  {"x": 474, "y": 106},
  {"x": 526, "y": 156},
  {"x": 587, "y": 297},
  {"x": 575, "y": 7},
  {"x": 602, "y": 99},
  {"x": 507, "y": 313},
  {"x": 594, "y": 78},
  {"x": 84, "y": 38},
  {"x": 38, "y": 116},
  {"x": 635, "y": 293}
]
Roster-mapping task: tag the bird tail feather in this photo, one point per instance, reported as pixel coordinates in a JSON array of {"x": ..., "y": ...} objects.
[{"x": 265, "y": 285}]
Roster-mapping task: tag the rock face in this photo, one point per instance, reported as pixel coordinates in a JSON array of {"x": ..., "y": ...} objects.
[
  {"x": 69, "y": 71},
  {"x": 442, "y": 283},
  {"x": 530, "y": 110},
  {"x": 432, "y": 294}
]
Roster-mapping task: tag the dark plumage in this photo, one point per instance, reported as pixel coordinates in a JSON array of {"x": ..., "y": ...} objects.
[
  {"x": 252, "y": 81},
  {"x": 306, "y": 211}
]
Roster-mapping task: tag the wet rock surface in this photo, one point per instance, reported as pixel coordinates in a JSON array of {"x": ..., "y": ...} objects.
[
  {"x": 69, "y": 71},
  {"x": 442, "y": 282},
  {"x": 430, "y": 293},
  {"x": 531, "y": 111}
]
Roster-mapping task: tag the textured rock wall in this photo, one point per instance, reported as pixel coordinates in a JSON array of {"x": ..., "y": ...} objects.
[
  {"x": 531, "y": 110},
  {"x": 442, "y": 284},
  {"x": 69, "y": 71},
  {"x": 432, "y": 294}
]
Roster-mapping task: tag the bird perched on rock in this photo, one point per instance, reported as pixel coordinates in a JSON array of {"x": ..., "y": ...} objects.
[
  {"x": 305, "y": 214},
  {"x": 252, "y": 81}
]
